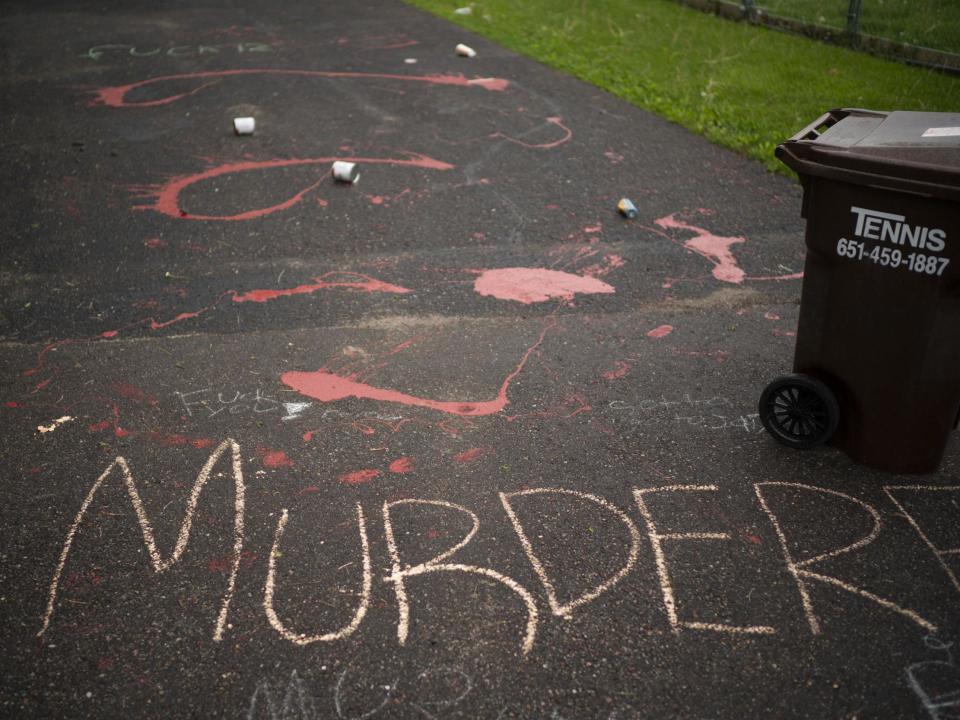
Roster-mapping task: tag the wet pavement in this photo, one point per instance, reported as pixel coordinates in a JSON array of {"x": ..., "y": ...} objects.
[{"x": 455, "y": 441}]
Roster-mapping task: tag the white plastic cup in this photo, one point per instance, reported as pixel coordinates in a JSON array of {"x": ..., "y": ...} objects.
[
  {"x": 347, "y": 172},
  {"x": 466, "y": 51},
  {"x": 244, "y": 125}
]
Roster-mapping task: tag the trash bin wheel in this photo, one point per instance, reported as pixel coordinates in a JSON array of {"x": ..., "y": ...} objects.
[{"x": 799, "y": 411}]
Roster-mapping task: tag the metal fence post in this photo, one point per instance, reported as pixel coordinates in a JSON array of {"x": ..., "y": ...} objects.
[{"x": 854, "y": 11}]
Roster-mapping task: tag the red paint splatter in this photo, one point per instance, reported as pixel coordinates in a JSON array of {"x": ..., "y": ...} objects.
[
  {"x": 530, "y": 285},
  {"x": 328, "y": 387},
  {"x": 154, "y": 325},
  {"x": 402, "y": 465},
  {"x": 358, "y": 477},
  {"x": 11, "y": 404},
  {"x": 99, "y": 426},
  {"x": 167, "y": 196},
  {"x": 659, "y": 332},
  {"x": 610, "y": 262},
  {"x": 620, "y": 368},
  {"x": 308, "y": 490},
  {"x": 154, "y": 243},
  {"x": 105, "y": 663},
  {"x": 116, "y": 96},
  {"x": 754, "y": 539},
  {"x": 132, "y": 392},
  {"x": 567, "y": 135},
  {"x": 225, "y": 563},
  {"x": 273, "y": 458},
  {"x": 470, "y": 455},
  {"x": 352, "y": 281},
  {"x": 715, "y": 248}
]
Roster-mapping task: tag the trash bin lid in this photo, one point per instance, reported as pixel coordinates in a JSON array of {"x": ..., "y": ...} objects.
[{"x": 916, "y": 152}]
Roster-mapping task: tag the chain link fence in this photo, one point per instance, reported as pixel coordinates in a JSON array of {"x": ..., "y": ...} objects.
[{"x": 924, "y": 32}]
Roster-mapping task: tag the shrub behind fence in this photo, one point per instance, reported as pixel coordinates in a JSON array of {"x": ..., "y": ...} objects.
[{"x": 925, "y": 32}]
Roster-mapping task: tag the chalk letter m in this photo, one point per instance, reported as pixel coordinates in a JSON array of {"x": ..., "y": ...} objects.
[{"x": 159, "y": 564}]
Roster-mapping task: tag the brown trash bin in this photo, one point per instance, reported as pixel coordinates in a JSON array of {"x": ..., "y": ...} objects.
[{"x": 877, "y": 359}]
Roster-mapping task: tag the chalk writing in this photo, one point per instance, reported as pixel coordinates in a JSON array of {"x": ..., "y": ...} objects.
[
  {"x": 656, "y": 543},
  {"x": 748, "y": 423},
  {"x": 519, "y": 507},
  {"x": 432, "y": 692},
  {"x": 937, "y": 682},
  {"x": 703, "y": 413},
  {"x": 159, "y": 564},
  {"x": 798, "y": 568},
  {"x": 98, "y": 51},
  {"x": 564, "y": 609},
  {"x": 939, "y": 553},
  {"x": 400, "y": 573},
  {"x": 209, "y": 403},
  {"x": 268, "y": 591}
]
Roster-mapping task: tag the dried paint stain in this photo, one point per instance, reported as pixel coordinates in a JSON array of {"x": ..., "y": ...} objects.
[
  {"x": 530, "y": 285},
  {"x": 358, "y": 477}
]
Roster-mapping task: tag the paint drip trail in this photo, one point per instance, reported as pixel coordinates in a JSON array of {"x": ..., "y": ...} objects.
[{"x": 326, "y": 386}]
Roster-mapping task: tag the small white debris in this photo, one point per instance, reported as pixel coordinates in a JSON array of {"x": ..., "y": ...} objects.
[
  {"x": 54, "y": 425},
  {"x": 466, "y": 51},
  {"x": 346, "y": 171},
  {"x": 410, "y": 61},
  {"x": 244, "y": 125},
  {"x": 463, "y": 11}
]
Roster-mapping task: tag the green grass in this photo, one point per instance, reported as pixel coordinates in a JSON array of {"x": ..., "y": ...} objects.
[
  {"x": 929, "y": 23},
  {"x": 744, "y": 87}
]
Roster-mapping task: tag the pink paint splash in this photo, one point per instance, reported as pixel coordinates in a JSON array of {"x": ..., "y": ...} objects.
[
  {"x": 620, "y": 368},
  {"x": 567, "y": 135},
  {"x": 326, "y": 386},
  {"x": 167, "y": 196},
  {"x": 358, "y": 477},
  {"x": 116, "y": 96},
  {"x": 402, "y": 465},
  {"x": 715, "y": 248},
  {"x": 659, "y": 332},
  {"x": 470, "y": 455},
  {"x": 351, "y": 281},
  {"x": 274, "y": 458},
  {"x": 530, "y": 285}
]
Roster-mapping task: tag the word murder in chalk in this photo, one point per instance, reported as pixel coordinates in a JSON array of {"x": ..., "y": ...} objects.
[
  {"x": 641, "y": 528},
  {"x": 98, "y": 51}
]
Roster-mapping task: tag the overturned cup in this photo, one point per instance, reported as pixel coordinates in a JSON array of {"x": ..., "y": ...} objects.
[
  {"x": 347, "y": 172},
  {"x": 244, "y": 125},
  {"x": 466, "y": 51},
  {"x": 627, "y": 208}
]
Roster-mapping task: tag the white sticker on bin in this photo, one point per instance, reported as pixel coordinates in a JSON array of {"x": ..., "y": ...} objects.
[{"x": 942, "y": 132}]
